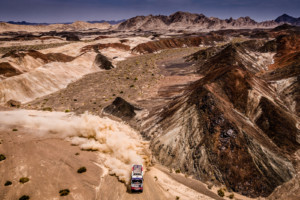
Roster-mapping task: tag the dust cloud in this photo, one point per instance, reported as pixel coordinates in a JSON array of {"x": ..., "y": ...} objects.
[{"x": 118, "y": 143}]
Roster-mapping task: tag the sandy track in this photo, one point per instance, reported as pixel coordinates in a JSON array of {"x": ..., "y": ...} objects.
[
  {"x": 41, "y": 154},
  {"x": 50, "y": 164}
]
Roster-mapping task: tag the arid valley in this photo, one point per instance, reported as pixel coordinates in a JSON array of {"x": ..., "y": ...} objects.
[{"x": 210, "y": 107}]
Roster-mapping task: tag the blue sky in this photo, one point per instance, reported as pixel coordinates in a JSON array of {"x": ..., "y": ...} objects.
[{"x": 84, "y": 10}]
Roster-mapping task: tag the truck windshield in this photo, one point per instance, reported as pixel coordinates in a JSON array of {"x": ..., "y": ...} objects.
[{"x": 137, "y": 181}]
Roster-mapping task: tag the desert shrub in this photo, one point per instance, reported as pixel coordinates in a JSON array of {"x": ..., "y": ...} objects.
[
  {"x": 177, "y": 197},
  {"x": 81, "y": 170},
  {"x": 221, "y": 193},
  {"x": 2, "y": 157},
  {"x": 15, "y": 129},
  {"x": 7, "y": 183},
  {"x": 47, "y": 109},
  {"x": 67, "y": 110},
  {"x": 177, "y": 171},
  {"x": 155, "y": 177},
  {"x": 76, "y": 154},
  {"x": 64, "y": 192},
  {"x": 231, "y": 196},
  {"x": 132, "y": 86},
  {"x": 24, "y": 197},
  {"x": 23, "y": 180}
]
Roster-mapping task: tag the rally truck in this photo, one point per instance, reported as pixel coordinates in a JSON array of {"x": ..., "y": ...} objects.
[{"x": 137, "y": 178}]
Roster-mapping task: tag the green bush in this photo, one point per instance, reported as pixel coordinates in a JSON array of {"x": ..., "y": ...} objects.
[
  {"x": 7, "y": 183},
  {"x": 64, "y": 192},
  {"x": 221, "y": 193},
  {"x": 23, "y": 180},
  {"x": 81, "y": 170},
  {"x": 177, "y": 171},
  {"x": 67, "y": 110},
  {"x": 2, "y": 157}
]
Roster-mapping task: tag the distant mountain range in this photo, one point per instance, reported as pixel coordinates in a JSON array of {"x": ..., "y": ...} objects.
[
  {"x": 112, "y": 22},
  {"x": 189, "y": 21},
  {"x": 184, "y": 21}
]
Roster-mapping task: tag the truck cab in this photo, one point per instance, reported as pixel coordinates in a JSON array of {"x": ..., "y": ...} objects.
[{"x": 137, "y": 178}]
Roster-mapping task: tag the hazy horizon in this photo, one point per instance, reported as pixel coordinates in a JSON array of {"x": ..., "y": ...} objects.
[{"x": 63, "y": 11}]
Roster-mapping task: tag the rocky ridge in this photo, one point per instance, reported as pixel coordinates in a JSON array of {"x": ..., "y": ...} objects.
[
  {"x": 185, "y": 20},
  {"x": 231, "y": 126}
]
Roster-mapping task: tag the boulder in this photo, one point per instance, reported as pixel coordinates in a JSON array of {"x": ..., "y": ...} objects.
[
  {"x": 121, "y": 108},
  {"x": 13, "y": 103}
]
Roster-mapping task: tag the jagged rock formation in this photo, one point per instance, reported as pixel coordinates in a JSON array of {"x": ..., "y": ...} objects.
[
  {"x": 188, "y": 21},
  {"x": 230, "y": 126}
]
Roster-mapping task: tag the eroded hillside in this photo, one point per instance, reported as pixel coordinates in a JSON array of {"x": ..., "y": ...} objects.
[{"x": 219, "y": 107}]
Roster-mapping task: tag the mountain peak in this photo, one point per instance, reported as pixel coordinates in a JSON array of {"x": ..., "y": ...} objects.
[{"x": 285, "y": 18}]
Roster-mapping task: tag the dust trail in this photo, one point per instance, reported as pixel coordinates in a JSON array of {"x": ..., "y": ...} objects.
[{"x": 117, "y": 142}]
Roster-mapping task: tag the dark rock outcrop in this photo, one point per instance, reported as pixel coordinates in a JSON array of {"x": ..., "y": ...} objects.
[
  {"x": 71, "y": 37},
  {"x": 7, "y": 70},
  {"x": 97, "y": 47},
  {"x": 153, "y": 46},
  {"x": 121, "y": 108},
  {"x": 47, "y": 58},
  {"x": 102, "y": 62},
  {"x": 13, "y": 103}
]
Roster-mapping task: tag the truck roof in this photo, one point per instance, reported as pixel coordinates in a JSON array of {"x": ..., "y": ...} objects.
[{"x": 137, "y": 169}]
